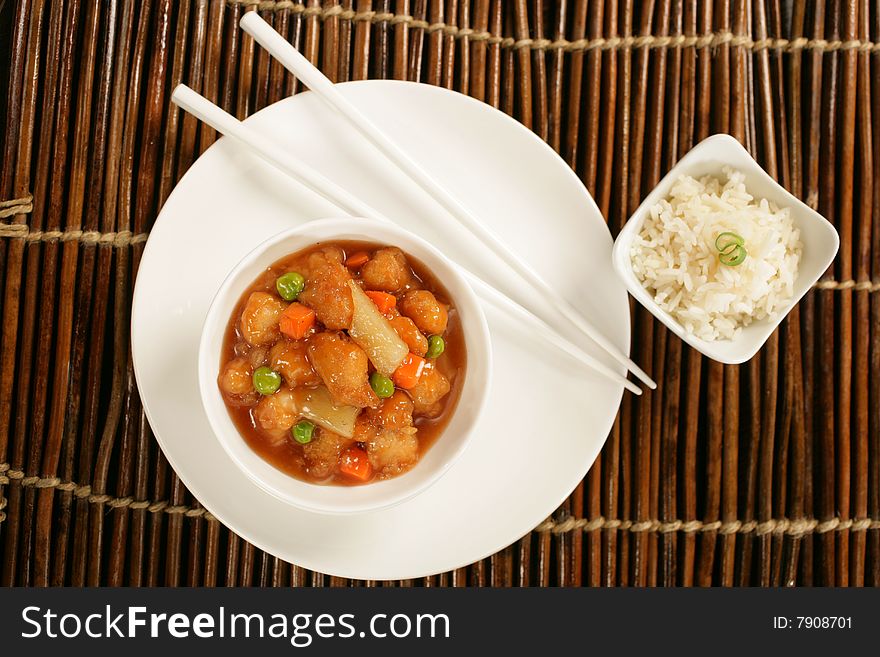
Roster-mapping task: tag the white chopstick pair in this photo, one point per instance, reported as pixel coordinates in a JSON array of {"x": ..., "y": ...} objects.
[
  {"x": 226, "y": 124},
  {"x": 308, "y": 74}
]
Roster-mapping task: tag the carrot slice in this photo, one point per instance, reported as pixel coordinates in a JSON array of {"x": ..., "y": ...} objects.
[
  {"x": 358, "y": 259},
  {"x": 296, "y": 320},
  {"x": 354, "y": 463},
  {"x": 384, "y": 301},
  {"x": 407, "y": 375}
]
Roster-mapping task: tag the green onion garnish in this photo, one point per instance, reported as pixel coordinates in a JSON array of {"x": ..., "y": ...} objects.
[{"x": 731, "y": 249}]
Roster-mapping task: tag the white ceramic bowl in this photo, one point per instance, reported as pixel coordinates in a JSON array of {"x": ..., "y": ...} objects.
[
  {"x": 448, "y": 447},
  {"x": 818, "y": 236}
]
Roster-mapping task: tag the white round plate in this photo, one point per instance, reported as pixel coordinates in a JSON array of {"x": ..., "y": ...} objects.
[{"x": 546, "y": 418}]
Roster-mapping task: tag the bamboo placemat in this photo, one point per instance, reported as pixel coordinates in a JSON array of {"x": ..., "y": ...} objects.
[{"x": 763, "y": 474}]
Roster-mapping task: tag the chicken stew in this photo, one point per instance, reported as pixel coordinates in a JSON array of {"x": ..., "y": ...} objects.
[{"x": 343, "y": 363}]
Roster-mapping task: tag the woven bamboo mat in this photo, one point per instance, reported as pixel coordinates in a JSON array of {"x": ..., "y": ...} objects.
[{"x": 763, "y": 474}]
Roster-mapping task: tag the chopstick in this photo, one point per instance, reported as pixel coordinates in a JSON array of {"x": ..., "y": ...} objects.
[
  {"x": 268, "y": 150},
  {"x": 323, "y": 87}
]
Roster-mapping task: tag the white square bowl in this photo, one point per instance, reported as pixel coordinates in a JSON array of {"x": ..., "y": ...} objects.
[{"x": 819, "y": 238}]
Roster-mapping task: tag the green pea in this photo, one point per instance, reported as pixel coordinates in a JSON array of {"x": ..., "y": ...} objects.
[
  {"x": 266, "y": 381},
  {"x": 436, "y": 346},
  {"x": 302, "y": 432},
  {"x": 381, "y": 385},
  {"x": 289, "y": 285}
]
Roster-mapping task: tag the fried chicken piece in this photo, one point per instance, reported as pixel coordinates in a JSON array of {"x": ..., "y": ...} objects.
[
  {"x": 389, "y": 436},
  {"x": 387, "y": 270},
  {"x": 422, "y": 307},
  {"x": 428, "y": 392},
  {"x": 342, "y": 366},
  {"x": 259, "y": 319},
  {"x": 393, "y": 452},
  {"x": 410, "y": 334},
  {"x": 291, "y": 361},
  {"x": 237, "y": 377},
  {"x": 322, "y": 453},
  {"x": 237, "y": 383},
  {"x": 326, "y": 290},
  {"x": 276, "y": 413}
]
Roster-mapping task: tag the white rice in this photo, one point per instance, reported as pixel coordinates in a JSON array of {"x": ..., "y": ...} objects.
[{"x": 674, "y": 256}]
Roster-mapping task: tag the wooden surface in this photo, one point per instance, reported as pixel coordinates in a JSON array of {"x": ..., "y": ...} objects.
[{"x": 762, "y": 474}]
